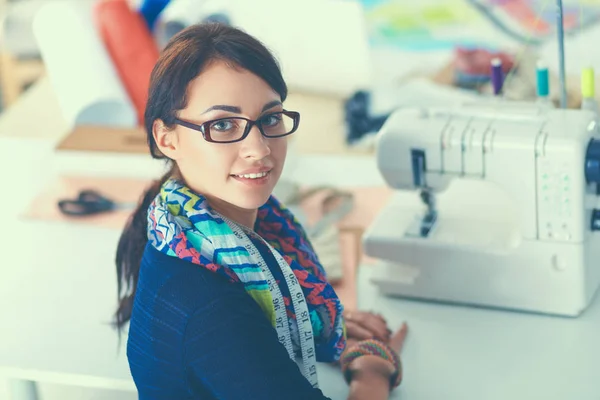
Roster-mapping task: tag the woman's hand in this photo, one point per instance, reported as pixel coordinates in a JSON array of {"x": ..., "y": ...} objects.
[
  {"x": 378, "y": 364},
  {"x": 371, "y": 374},
  {"x": 397, "y": 340},
  {"x": 361, "y": 325}
]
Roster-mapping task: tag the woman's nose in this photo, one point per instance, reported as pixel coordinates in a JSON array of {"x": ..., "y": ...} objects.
[{"x": 255, "y": 145}]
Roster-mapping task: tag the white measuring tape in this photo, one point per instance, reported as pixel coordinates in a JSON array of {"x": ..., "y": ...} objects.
[{"x": 305, "y": 331}]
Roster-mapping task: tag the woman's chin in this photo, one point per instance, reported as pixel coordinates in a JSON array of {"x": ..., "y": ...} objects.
[{"x": 252, "y": 201}]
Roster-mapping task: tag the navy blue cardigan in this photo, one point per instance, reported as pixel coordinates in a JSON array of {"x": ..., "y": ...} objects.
[{"x": 194, "y": 335}]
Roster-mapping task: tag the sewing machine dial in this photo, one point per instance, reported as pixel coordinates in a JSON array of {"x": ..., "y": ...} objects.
[
  {"x": 592, "y": 175},
  {"x": 592, "y": 162}
]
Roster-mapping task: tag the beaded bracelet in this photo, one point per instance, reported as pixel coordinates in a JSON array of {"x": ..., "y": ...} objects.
[{"x": 376, "y": 348}]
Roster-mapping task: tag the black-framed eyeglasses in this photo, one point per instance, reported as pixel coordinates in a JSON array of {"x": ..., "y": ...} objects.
[{"x": 235, "y": 129}]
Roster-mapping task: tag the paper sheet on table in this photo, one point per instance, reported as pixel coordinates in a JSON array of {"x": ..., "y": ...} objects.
[{"x": 44, "y": 205}]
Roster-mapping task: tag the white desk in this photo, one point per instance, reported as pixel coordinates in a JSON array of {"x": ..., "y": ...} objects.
[
  {"x": 458, "y": 353},
  {"x": 55, "y": 305}
]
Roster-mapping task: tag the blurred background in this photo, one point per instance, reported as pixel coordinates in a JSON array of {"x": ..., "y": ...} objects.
[
  {"x": 73, "y": 73},
  {"x": 380, "y": 54},
  {"x": 390, "y": 53}
]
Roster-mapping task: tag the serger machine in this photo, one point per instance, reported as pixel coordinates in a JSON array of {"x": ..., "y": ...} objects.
[{"x": 496, "y": 205}]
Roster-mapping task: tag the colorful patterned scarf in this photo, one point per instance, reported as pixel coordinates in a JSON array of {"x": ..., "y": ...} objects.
[{"x": 182, "y": 224}]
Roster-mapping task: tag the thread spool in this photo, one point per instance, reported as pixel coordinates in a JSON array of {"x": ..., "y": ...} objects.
[{"x": 497, "y": 76}]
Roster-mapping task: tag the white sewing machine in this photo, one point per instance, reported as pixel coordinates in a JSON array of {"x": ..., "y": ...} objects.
[{"x": 496, "y": 207}]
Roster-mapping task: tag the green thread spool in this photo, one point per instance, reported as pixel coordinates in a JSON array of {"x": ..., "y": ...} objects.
[{"x": 587, "y": 83}]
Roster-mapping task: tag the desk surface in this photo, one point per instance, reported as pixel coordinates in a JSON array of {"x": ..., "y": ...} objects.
[
  {"x": 58, "y": 315},
  {"x": 459, "y": 352}
]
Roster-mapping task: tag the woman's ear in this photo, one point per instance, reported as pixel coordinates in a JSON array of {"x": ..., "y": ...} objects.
[{"x": 166, "y": 139}]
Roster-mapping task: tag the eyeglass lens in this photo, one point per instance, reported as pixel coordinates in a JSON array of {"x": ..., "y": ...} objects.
[{"x": 228, "y": 129}]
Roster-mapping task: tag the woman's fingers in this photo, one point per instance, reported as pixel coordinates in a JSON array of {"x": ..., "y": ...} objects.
[
  {"x": 356, "y": 331},
  {"x": 374, "y": 323},
  {"x": 397, "y": 340},
  {"x": 380, "y": 317}
]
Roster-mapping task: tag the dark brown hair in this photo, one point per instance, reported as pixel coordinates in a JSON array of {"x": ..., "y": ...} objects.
[{"x": 182, "y": 60}]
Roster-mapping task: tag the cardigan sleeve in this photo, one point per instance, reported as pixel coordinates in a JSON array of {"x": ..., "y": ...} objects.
[{"x": 232, "y": 351}]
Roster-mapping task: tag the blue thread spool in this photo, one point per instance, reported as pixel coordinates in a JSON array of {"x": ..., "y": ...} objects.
[{"x": 542, "y": 80}]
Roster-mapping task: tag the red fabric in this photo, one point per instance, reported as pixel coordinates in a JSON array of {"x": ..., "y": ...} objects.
[{"x": 131, "y": 47}]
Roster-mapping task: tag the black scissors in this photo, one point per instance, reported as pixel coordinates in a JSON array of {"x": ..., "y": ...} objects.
[{"x": 89, "y": 202}]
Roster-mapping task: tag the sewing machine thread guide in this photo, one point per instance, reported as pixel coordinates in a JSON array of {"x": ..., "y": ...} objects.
[{"x": 418, "y": 167}]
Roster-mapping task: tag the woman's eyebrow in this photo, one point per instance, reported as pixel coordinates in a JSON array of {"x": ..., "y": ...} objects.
[
  {"x": 238, "y": 110},
  {"x": 232, "y": 109},
  {"x": 271, "y": 104}
]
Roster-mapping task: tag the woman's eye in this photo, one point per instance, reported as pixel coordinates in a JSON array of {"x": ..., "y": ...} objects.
[
  {"x": 223, "y": 125},
  {"x": 271, "y": 120}
]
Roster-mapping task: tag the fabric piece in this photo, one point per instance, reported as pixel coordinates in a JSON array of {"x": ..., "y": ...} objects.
[{"x": 131, "y": 47}]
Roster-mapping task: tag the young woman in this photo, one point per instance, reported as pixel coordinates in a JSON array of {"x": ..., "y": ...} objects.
[{"x": 224, "y": 295}]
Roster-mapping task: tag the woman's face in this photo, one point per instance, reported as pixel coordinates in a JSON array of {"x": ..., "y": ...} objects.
[{"x": 228, "y": 174}]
